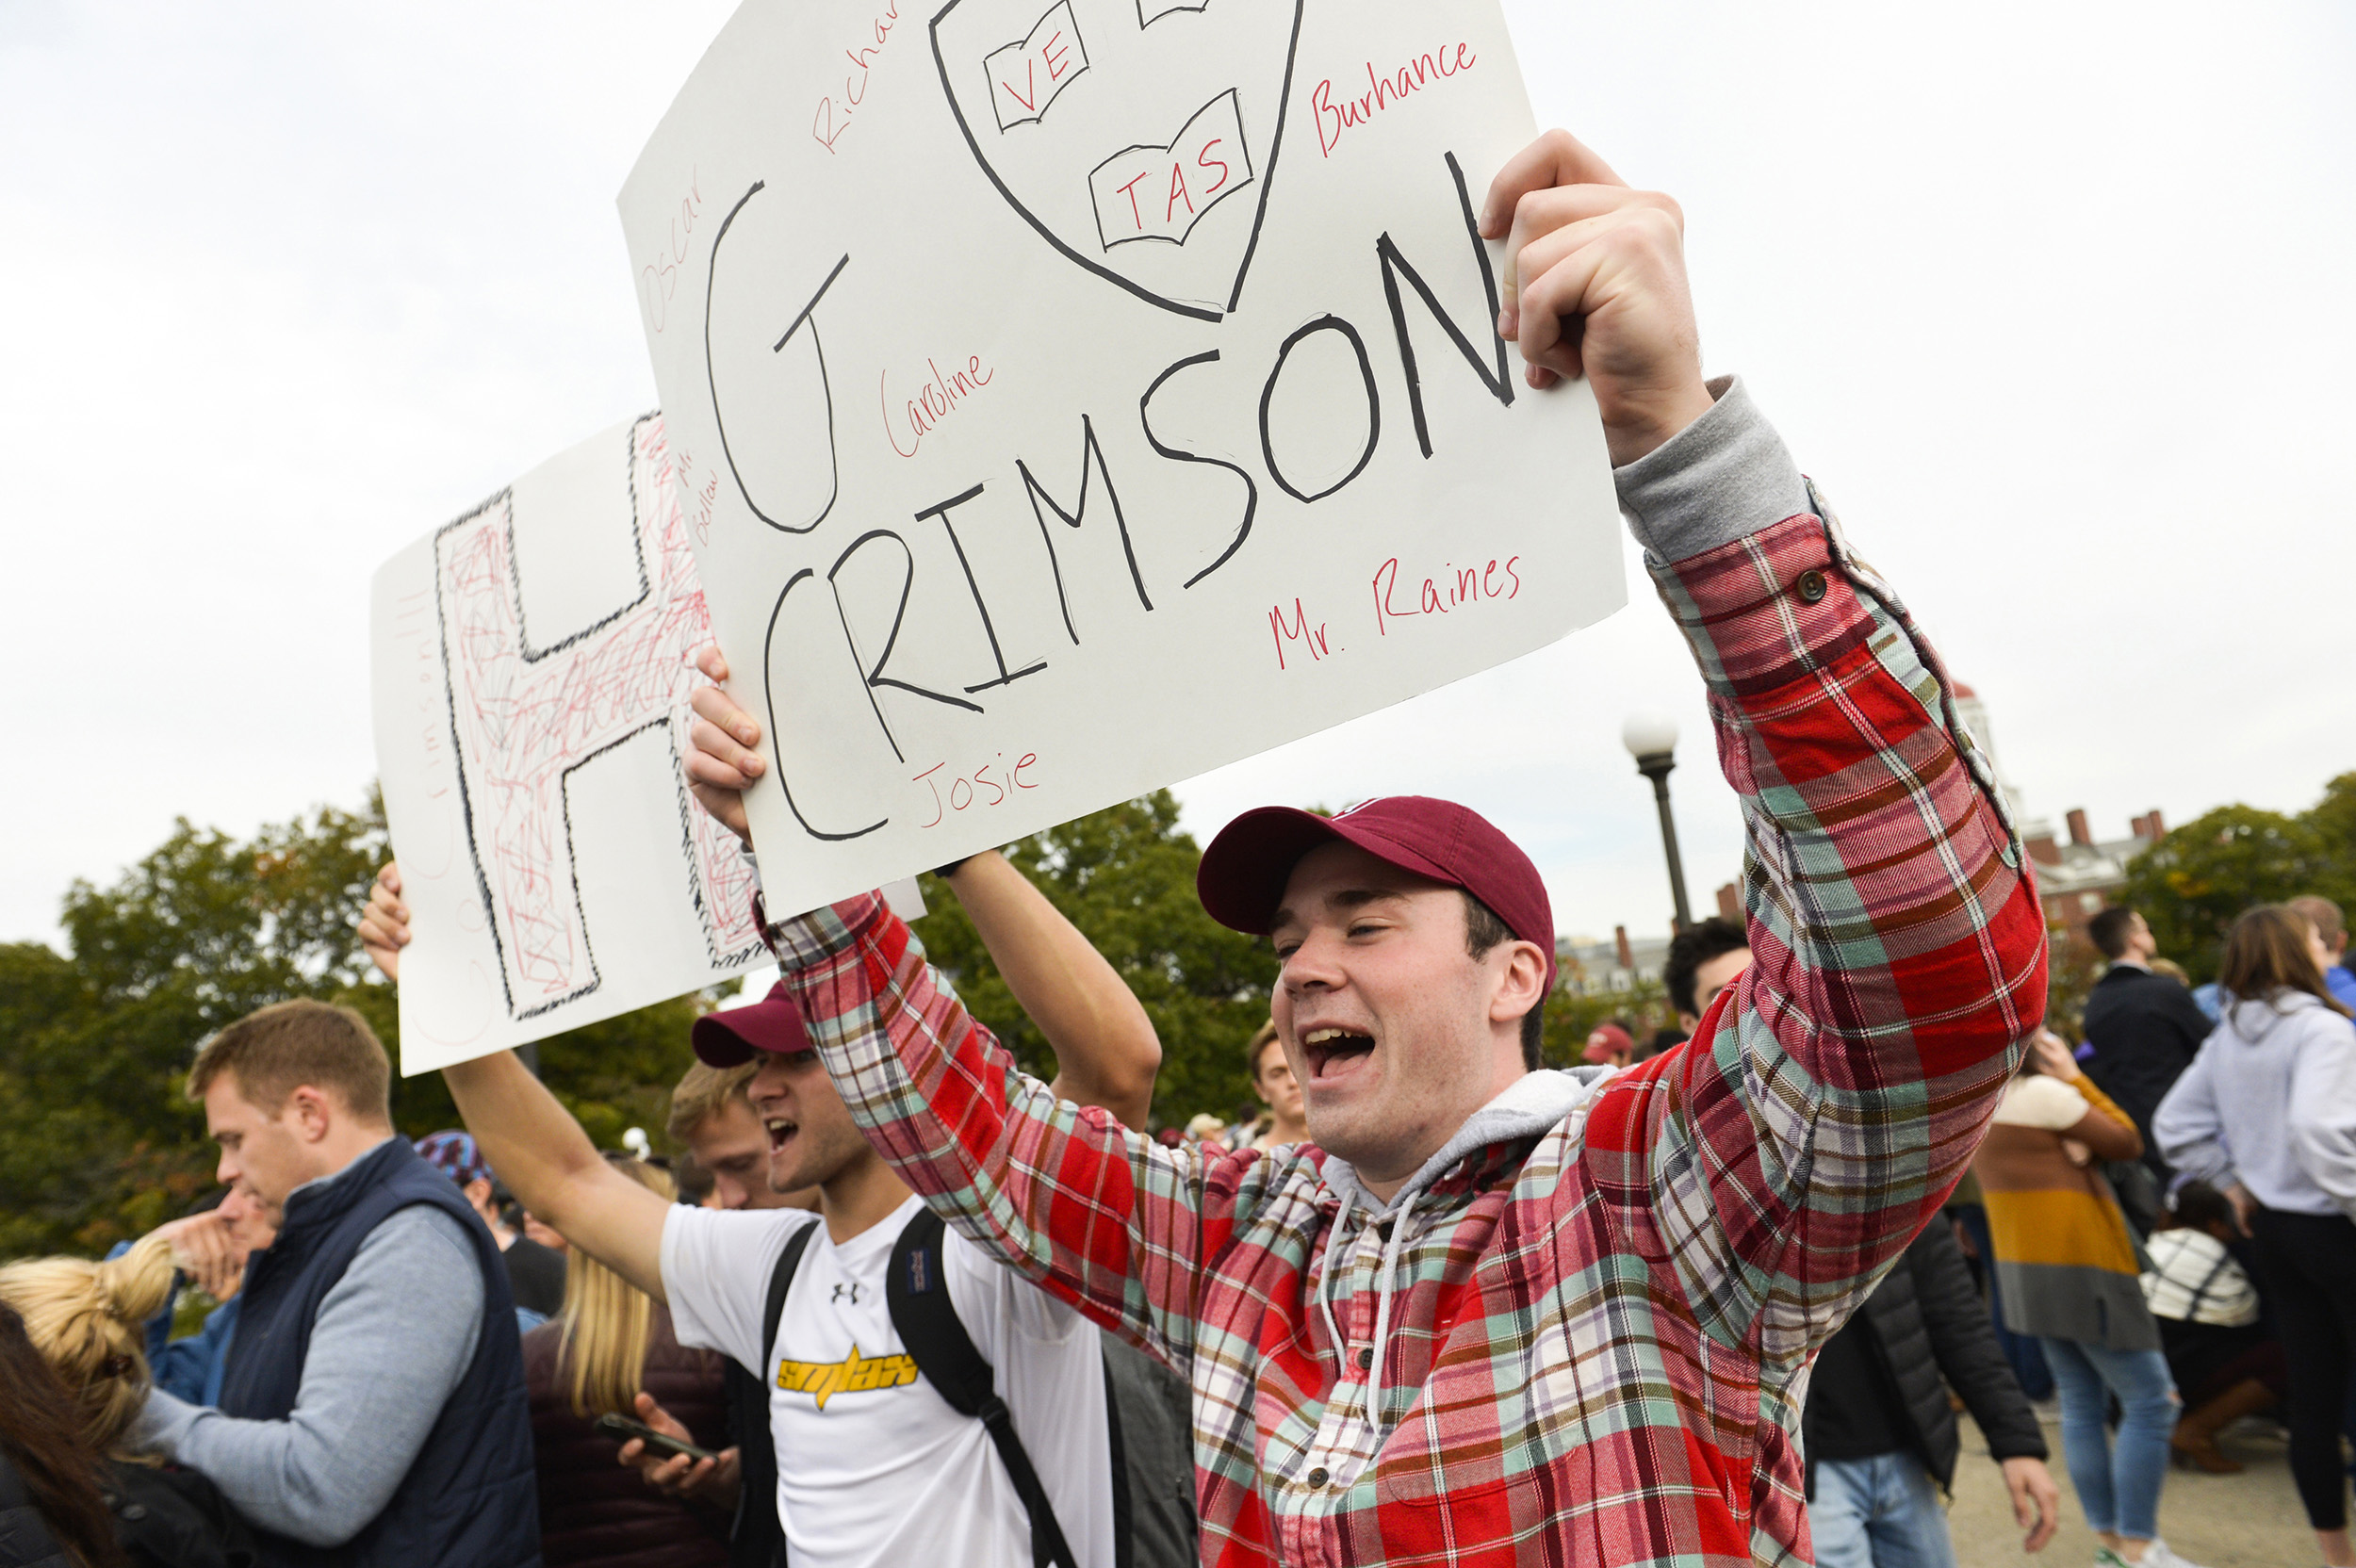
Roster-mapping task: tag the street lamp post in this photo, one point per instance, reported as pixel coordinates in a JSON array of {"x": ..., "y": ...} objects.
[{"x": 1652, "y": 740}]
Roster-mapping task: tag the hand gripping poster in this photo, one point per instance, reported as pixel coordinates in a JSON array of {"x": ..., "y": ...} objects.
[{"x": 1066, "y": 399}]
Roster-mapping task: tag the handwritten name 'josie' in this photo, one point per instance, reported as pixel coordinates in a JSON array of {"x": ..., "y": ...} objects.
[
  {"x": 935, "y": 401},
  {"x": 963, "y": 793},
  {"x": 1382, "y": 92}
]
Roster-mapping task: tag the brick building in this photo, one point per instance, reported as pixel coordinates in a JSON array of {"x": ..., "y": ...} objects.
[{"x": 2076, "y": 877}]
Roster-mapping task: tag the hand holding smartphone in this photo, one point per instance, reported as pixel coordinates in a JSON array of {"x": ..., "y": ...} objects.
[{"x": 621, "y": 1428}]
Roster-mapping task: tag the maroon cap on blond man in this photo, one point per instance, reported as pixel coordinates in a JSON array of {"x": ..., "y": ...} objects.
[
  {"x": 772, "y": 1026},
  {"x": 1241, "y": 880}
]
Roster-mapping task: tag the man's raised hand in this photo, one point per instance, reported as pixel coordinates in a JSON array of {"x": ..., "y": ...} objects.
[
  {"x": 1595, "y": 285},
  {"x": 721, "y": 763},
  {"x": 385, "y": 924},
  {"x": 204, "y": 1246}
]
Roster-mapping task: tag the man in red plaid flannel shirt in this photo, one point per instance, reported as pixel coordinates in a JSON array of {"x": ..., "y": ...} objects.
[{"x": 1495, "y": 1314}]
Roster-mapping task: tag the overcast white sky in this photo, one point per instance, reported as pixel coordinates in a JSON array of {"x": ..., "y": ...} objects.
[{"x": 2054, "y": 301}]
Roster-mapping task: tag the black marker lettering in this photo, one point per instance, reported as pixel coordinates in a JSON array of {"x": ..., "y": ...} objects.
[
  {"x": 711, "y": 385},
  {"x": 874, "y": 674},
  {"x": 1091, "y": 457},
  {"x": 776, "y": 748},
  {"x": 1499, "y": 387},
  {"x": 1374, "y": 404},
  {"x": 1250, "y": 490},
  {"x": 941, "y": 511}
]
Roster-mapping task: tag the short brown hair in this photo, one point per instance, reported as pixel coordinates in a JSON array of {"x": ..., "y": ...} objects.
[
  {"x": 277, "y": 1050},
  {"x": 1251, "y": 1053},
  {"x": 1483, "y": 930},
  {"x": 2110, "y": 930},
  {"x": 2321, "y": 913},
  {"x": 705, "y": 1092},
  {"x": 2266, "y": 955}
]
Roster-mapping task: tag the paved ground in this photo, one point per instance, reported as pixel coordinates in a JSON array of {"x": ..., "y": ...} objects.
[{"x": 2252, "y": 1520}]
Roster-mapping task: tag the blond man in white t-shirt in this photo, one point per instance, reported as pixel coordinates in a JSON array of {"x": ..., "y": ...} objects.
[{"x": 875, "y": 1467}]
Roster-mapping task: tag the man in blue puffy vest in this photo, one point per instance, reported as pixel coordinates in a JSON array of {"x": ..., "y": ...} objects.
[{"x": 372, "y": 1411}]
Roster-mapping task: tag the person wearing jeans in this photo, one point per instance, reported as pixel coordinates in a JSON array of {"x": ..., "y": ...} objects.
[
  {"x": 2117, "y": 1477},
  {"x": 2266, "y": 1115},
  {"x": 1879, "y": 1512},
  {"x": 1880, "y": 1427},
  {"x": 2070, "y": 1276}
]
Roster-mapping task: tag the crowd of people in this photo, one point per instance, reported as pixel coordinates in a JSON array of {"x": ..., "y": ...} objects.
[{"x": 1700, "y": 1300}]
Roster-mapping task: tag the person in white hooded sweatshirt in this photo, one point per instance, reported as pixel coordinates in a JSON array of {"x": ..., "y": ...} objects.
[{"x": 2267, "y": 1114}]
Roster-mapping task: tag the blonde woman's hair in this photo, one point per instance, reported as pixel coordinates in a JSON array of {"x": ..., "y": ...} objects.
[
  {"x": 606, "y": 1321},
  {"x": 87, "y": 1321}
]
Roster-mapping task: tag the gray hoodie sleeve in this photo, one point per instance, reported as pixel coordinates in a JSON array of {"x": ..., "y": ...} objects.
[
  {"x": 2323, "y": 1108},
  {"x": 1724, "y": 476},
  {"x": 2189, "y": 1131},
  {"x": 392, "y": 1339}
]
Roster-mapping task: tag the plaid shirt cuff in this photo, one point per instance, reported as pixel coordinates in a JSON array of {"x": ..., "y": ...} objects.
[{"x": 806, "y": 942}]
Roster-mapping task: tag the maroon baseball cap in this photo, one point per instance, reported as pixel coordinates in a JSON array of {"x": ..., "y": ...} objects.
[
  {"x": 1243, "y": 874},
  {"x": 773, "y": 1024},
  {"x": 1609, "y": 1040}
]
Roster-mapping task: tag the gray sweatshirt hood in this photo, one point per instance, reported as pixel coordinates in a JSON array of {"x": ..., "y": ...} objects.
[
  {"x": 2253, "y": 1020},
  {"x": 1531, "y": 1105}
]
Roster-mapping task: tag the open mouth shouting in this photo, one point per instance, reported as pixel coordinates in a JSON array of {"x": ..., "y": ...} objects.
[
  {"x": 781, "y": 1133},
  {"x": 1333, "y": 1051}
]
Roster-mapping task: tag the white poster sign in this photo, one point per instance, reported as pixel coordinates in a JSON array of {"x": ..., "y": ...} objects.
[
  {"x": 1070, "y": 396},
  {"x": 532, "y": 662}
]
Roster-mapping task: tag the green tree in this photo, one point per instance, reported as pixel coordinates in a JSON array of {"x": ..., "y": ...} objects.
[
  {"x": 2191, "y": 885},
  {"x": 1572, "y": 1015},
  {"x": 95, "y": 1042},
  {"x": 1126, "y": 878},
  {"x": 2333, "y": 819}
]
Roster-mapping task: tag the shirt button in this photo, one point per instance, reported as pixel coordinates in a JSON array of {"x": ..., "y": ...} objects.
[
  {"x": 1811, "y": 585},
  {"x": 1318, "y": 1478},
  {"x": 1366, "y": 1357}
]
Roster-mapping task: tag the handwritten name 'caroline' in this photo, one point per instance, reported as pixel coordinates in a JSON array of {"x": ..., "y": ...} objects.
[{"x": 934, "y": 401}]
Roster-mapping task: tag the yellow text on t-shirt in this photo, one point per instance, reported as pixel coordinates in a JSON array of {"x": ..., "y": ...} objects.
[{"x": 853, "y": 1374}]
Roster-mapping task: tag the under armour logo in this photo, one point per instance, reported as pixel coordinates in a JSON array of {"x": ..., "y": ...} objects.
[{"x": 845, "y": 1292}]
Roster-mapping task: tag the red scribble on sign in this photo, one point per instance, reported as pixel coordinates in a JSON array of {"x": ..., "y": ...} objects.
[{"x": 524, "y": 719}]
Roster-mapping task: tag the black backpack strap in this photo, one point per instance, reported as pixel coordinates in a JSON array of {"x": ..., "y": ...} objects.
[
  {"x": 916, "y": 1291},
  {"x": 780, "y": 1280},
  {"x": 1124, "y": 1517},
  {"x": 757, "y": 1536}
]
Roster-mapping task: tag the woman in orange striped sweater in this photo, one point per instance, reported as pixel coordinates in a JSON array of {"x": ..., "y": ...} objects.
[{"x": 2070, "y": 1275}]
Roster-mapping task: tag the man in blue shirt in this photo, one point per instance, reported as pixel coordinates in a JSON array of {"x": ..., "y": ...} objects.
[
  {"x": 217, "y": 1241},
  {"x": 2324, "y": 916}
]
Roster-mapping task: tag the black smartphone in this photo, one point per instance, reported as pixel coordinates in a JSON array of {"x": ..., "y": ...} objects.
[{"x": 621, "y": 1428}]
